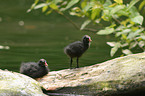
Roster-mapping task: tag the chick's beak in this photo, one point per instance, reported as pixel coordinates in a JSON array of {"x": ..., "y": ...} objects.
[
  {"x": 90, "y": 40},
  {"x": 46, "y": 64}
]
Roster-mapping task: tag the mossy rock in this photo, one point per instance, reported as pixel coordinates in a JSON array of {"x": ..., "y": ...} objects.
[{"x": 15, "y": 84}]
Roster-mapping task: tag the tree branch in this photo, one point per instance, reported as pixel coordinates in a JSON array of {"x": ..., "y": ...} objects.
[
  {"x": 116, "y": 20},
  {"x": 66, "y": 17},
  {"x": 89, "y": 29},
  {"x": 75, "y": 25}
]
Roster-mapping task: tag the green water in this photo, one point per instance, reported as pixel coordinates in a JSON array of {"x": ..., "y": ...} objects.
[{"x": 42, "y": 36}]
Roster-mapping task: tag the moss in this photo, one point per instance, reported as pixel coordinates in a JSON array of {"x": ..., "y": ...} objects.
[
  {"x": 6, "y": 92},
  {"x": 114, "y": 87},
  {"x": 103, "y": 85},
  {"x": 18, "y": 84}
]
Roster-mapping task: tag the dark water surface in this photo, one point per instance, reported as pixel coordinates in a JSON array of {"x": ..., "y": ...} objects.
[{"x": 42, "y": 36}]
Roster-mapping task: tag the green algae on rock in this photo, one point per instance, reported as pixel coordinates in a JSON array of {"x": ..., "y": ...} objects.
[{"x": 15, "y": 84}]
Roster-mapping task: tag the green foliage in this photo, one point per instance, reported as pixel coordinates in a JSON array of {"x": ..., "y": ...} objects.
[{"x": 123, "y": 20}]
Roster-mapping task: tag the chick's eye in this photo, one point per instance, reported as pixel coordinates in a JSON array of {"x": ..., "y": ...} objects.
[{"x": 40, "y": 61}]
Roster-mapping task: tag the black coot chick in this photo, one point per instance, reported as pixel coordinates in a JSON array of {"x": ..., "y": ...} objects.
[
  {"x": 76, "y": 49},
  {"x": 35, "y": 70}
]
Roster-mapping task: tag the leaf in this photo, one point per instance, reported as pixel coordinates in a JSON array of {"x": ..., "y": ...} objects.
[
  {"x": 143, "y": 37},
  {"x": 95, "y": 12},
  {"x": 116, "y": 9},
  {"x": 141, "y": 5},
  {"x": 138, "y": 19},
  {"x": 40, "y": 5},
  {"x": 70, "y": 4},
  {"x": 85, "y": 24},
  {"x": 126, "y": 51},
  {"x": 105, "y": 15},
  {"x": 113, "y": 5},
  {"x": 122, "y": 13},
  {"x": 134, "y": 28},
  {"x": 132, "y": 35},
  {"x": 33, "y": 5},
  {"x": 121, "y": 27},
  {"x": 126, "y": 31},
  {"x": 36, "y": 1},
  {"x": 57, "y": 1},
  {"x": 53, "y": 6},
  {"x": 132, "y": 3},
  {"x": 112, "y": 25},
  {"x": 118, "y": 1},
  {"x": 141, "y": 44},
  {"x": 132, "y": 45},
  {"x": 124, "y": 36},
  {"x": 107, "y": 3},
  {"x": 123, "y": 32},
  {"x": 113, "y": 51},
  {"x": 115, "y": 48},
  {"x": 106, "y": 31},
  {"x": 44, "y": 8},
  {"x": 87, "y": 7},
  {"x": 48, "y": 12},
  {"x": 133, "y": 12},
  {"x": 83, "y": 4},
  {"x": 124, "y": 45},
  {"x": 112, "y": 44}
]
